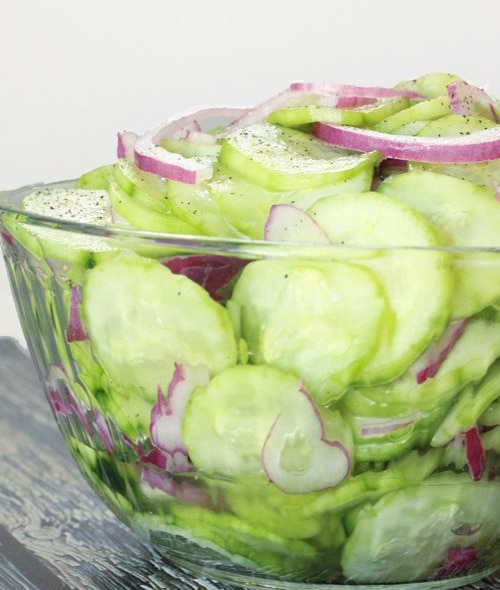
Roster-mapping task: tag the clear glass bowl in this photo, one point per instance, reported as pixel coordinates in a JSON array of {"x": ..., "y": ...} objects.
[{"x": 234, "y": 422}]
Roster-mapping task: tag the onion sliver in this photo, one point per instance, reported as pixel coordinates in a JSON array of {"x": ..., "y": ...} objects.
[
  {"x": 353, "y": 90},
  {"x": 126, "y": 144},
  {"x": 466, "y": 99},
  {"x": 152, "y": 158},
  {"x": 285, "y": 98},
  {"x": 476, "y": 147}
]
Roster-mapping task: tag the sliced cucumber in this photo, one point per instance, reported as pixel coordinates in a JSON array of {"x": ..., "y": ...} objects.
[
  {"x": 246, "y": 206},
  {"x": 466, "y": 216},
  {"x": 194, "y": 204},
  {"x": 248, "y": 543},
  {"x": 178, "y": 322},
  {"x": 426, "y": 110},
  {"x": 226, "y": 422},
  {"x": 382, "y": 109},
  {"x": 285, "y": 159},
  {"x": 406, "y": 535},
  {"x": 430, "y": 85},
  {"x": 191, "y": 149},
  {"x": 67, "y": 204},
  {"x": 296, "y": 116},
  {"x": 145, "y": 188},
  {"x": 485, "y": 174},
  {"x": 255, "y": 500},
  {"x": 146, "y": 217},
  {"x": 311, "y": 318},
  {"x": 470, "y": 405},
  {"x": 467, "y": 362},
  {"x": 417, "y": 280},
  {"x": 96, "y": 179},
  {"x": 454, "y": 125}
]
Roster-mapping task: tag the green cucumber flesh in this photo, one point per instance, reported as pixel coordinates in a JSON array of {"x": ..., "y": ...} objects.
[
  {"x": 227, "y": 421},
  {"x": 424, "y": 406},
  {"x": 96, "y": 179},
  {"x": 469, "y": 406},
  {"x": 410, "y": 276},
  {"x": 465, "y": 215},
  {"x": 139, "y": 356},
  {"x": 311, "y": 318},
  {"x": 296, "y": 116},
  {"x": 421, "y": 111},
  {"x": 373, "y": 114},
  {"x": 191, "y": 149},
  {"x": 195, "y": 205},
  {"x": 406, "y": 535},
  {"x": 89, "y": 206},
  {"x": 453, "y": 125},
  {"x": 285, "y": 159},
  {"x": 430, "y": 85},
  {"x": 145, "y": 217}
]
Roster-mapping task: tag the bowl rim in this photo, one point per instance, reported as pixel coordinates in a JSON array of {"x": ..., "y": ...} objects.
[{"x": 233, "y": 246}]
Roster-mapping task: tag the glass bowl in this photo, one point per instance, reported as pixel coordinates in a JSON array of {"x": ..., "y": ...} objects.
[{"x": 258, "y": 410}]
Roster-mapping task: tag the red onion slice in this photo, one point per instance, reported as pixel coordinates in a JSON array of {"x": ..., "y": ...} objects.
[
  {"x": 476, "y": 147},
  {"x": 379, "y": 427},
  {"x": 474, "y": 451},
  {"x": 285, "y": 98},
  {"x": 183, "y": 491},
  {"x": 8, "y": 238},
  {"x": 211, "y": 272},
  {"x": 459, "y": 560},
  {"x": 168, "y": 412},
  {"x": 126, "y": 145},
  {"x": 191, "y": 127},
  {"x": 351, "y": 102},
  {"x": 352, "y": 90},
  {"x": 466, "y": 99},
  {"x": 150, "y": 157},
  {"x": 287, "y": 223},
  {"x": 438, "y": 352},
  {"x": 297, "y": 456},
  {"x": 75, "y": 332}
]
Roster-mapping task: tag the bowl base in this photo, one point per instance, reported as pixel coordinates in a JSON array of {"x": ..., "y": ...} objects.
[{"x": 254, "y": 581}]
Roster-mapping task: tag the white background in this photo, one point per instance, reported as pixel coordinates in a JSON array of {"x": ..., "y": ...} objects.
[{"x": 74, "y": 72}]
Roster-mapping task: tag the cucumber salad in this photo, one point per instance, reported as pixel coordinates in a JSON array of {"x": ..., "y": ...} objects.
[{"x": 271, "y": 335}]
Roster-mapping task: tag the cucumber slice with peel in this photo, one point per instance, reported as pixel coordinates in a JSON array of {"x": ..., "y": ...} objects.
[
  {"x": 466, "y": 216},
  {"x": 67, "y": 204},
  {"x": 311, "y": 318},
  {"x": 426, "y": 110},
  {"x": 285, "y": 159},
  {"x": 410, "y": 535},
  {"x": 179, "y": 322},
  {"x": 419, "y": 409},
  {"x": 485, "y": 174},
  {"x": 417, "y": 279},
  {"x": 430, "y": 85},
  {"x": 454, "y": 125},
  {"x": 195, "y": 205},
  {"x": 296, "y": 116},
  {"x": 145, "y": 217},
  {"x": 96, "y": 179},
  {"x": 227, "y": 421},
  {"x": 246, "y": 206}
]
